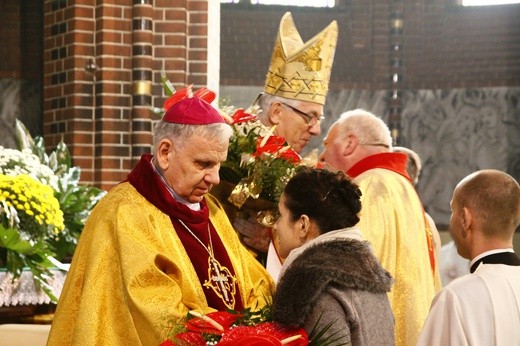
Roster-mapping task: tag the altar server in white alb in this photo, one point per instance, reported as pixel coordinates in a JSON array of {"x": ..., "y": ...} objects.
[{"x": 483, "y": 307}]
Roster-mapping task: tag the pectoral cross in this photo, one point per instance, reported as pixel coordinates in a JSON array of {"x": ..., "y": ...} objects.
[{"x": 222, "y": 282}]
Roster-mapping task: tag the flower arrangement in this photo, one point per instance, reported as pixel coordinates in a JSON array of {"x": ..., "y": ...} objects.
[
  {"x": 43, "y": 208},
  {"x": 232, "y": 328},
  {"x": 258, "y": 166},
  {"x": 15, "y": 162},
  {"x": 259, "y": 163},
  {"x": 34, "y": 209},
  {"x": 251, "y": 328}
]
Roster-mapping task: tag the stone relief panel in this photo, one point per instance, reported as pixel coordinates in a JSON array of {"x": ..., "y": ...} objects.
[
  {"x": 459, "y": 131},
  {"x": 19, "y": 99},
  {"x": 9, "y": 110}
]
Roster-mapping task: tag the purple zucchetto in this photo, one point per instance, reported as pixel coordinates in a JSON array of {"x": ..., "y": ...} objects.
[{"x": 193, "y": 111}]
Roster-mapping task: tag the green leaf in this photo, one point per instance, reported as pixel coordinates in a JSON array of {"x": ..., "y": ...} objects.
[
  {"x": 39, "y": 150},
  {"x": 23, "y": 137},
  {"x": 22, "y": 253},
  {"x": 63, "y": 155},
  {"x": 317, "y": 336},
  {"x": 167, "y": 85},
  {"x": 11, "y": 240},
  {"x": 53, "y": 162}
]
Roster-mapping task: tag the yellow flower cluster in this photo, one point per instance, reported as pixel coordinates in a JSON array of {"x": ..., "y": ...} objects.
[{"x": 38, "y": 210}]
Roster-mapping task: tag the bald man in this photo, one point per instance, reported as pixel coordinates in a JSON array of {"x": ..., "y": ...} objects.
[{"x": 483, "y": 307}]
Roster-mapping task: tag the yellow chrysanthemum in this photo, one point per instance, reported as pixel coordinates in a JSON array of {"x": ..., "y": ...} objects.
[{"x": 38, "y": 210}]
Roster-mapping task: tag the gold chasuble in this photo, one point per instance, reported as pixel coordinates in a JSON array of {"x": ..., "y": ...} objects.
[
  {"x": 392, "y": 220},
  {"x": 132, "y": 280}
]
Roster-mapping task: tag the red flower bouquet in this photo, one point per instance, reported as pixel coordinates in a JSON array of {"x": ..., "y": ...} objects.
[
  {"x": 259, "y": 163},
  {"x": 228, "y": 329}
]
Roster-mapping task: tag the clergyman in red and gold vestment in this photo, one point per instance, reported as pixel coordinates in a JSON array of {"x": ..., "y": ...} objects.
[{"x": 157, "y": 245}]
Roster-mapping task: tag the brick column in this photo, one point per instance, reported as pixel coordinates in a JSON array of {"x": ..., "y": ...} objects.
[
  {"x": 68, "y": 90},
  {"x": 142, "y": 36}
]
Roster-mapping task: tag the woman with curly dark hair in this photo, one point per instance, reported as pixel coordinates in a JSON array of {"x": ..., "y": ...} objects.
[{"x": 331, "y": 281}]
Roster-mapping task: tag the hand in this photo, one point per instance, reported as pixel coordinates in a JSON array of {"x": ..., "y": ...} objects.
[{"x": 253, "y": 234}]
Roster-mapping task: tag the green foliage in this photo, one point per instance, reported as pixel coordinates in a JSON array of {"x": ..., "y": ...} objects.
[
  {"x": 20, "y": 246},
  {"x": 317, "y": 336},
  {"x": 20, "y": 253},
  {"x": 253, "y": 317},
  {"x": 167, "y": 85},
  {"x": 76, "y": 201},
  {"x": 242, "y": 142}
]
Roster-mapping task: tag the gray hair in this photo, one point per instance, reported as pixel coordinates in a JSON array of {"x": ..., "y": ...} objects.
[
  {"x": 265, "y": 101},
  {"x": 180, "y": 133},
  {"x": 367, "y": 127},
  {"x": 414, "y": 164}
]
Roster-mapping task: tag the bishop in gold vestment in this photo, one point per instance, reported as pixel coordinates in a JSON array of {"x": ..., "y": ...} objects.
[
  {"x": 148, "y": 255},
  {"x": 392, "y": 220}
]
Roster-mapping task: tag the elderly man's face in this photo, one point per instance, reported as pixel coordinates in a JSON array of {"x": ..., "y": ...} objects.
[
  {"x": 296, "y": 124},
  {"x": 332, "y": 150},
  {"x": 193, "y": 167}
]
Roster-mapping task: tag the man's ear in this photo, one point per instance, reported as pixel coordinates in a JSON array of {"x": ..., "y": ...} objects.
[
  {"x": 350, "y": 144},
  {"x": 161, "y": 153},
  {"x": 467, "y": 221},
  {"x": 275, "y": 113}
]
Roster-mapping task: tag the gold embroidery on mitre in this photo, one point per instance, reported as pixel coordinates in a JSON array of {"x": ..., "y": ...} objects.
[{"x": 299, "y": 70}]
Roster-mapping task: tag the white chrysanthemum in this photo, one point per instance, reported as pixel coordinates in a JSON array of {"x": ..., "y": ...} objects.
[
  {"x": 15, "y": 162},
  {"x": 256, "y": 127}
]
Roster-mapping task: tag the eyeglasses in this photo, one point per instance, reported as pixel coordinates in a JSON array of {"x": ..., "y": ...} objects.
[{"x": 311, "y": 120}]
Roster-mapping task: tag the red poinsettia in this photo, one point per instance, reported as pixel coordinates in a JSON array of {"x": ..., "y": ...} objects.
[
  {"x": 187, "y": 92},
  {"x": 276, "y": 146},
  {"x": 240, "y": 116}
]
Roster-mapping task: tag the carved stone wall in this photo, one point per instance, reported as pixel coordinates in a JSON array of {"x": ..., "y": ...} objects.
[{"x": 19, "y": 99}]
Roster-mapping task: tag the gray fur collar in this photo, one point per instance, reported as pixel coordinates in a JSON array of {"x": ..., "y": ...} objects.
[{"x": 340, "y": 263}]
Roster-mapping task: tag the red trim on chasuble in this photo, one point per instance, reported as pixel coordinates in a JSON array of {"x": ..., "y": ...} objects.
[
  {"x": 149, "y": 184},
  {"x": 395, "y": 162}
]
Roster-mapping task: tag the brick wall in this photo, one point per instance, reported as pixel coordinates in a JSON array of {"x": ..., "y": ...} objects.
[{"x": 103, "y": 113}]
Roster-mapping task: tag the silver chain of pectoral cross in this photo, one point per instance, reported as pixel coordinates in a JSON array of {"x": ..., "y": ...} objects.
[{"x": 210, "y": 252}]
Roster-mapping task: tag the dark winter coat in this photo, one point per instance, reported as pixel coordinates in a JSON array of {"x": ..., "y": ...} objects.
[{"x": 336, "y": 279}]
